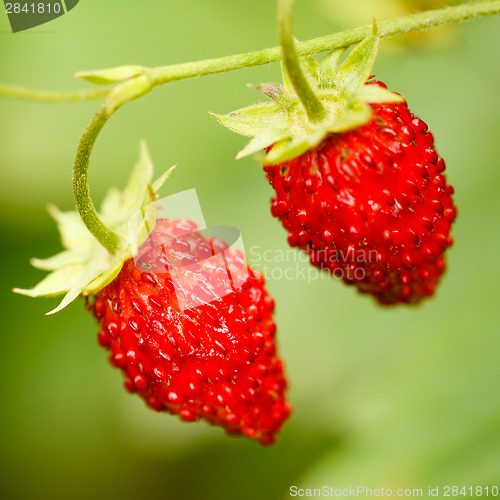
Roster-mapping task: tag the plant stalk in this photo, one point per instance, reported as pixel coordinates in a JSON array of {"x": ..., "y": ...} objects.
[
  {"x": 393, "y": 27},
  {"x": 291, "y": 63},
  {"x": 106, "y": 237}
]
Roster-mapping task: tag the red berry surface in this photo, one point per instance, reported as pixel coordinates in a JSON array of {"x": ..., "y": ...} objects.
[
  {"x": 216, "y": 361},
  {"x": 371, "y": 205}
]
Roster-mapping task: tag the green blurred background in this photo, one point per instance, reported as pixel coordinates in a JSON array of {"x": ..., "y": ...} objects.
[{"x": 402, "y": 397}]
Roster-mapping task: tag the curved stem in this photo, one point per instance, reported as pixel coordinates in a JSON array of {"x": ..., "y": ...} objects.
[
  {"x": 393, "y": 27},
  {"x": 161, "y": 75},
  {"x": 108, "y": 239},
  {"x": 165, "y": 74},
  {"x": 49, "y": 96},
  {"x": 314, "y": 109}
]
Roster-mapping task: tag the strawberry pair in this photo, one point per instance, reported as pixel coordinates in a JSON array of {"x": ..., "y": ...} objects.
[{"x": 362, "y": 192}]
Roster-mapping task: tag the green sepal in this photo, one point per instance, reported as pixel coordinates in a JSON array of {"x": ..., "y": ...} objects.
[
  {"x": 85, "y": 266},
  {"x": 254, "y": 120},
  {"x": 127, "y": 91},
  {"x": 287, "y": 150},
  {"x": 284, "y": 124},
  {"x": 311, "y": 68},
  {"x": 371, "y": 93},
  {"x": 356, "y": 69},
  {"x": 111, "y": 75},
  {"x": 328, "y": 69},
  {"x": 262, "y": 141}
]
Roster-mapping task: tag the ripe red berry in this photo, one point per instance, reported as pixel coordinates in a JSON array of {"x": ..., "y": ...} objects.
[
  {"x": 371, "y": 205},
  {"x": 216, "y": 361}
]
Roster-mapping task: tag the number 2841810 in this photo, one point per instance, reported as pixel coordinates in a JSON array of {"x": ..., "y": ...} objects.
[{"x": 32, "y": 8}]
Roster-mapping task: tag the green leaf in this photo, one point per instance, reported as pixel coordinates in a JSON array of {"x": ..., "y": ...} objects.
[
  {"x": 372, "y": 93},
  {"x": 127, "y": 91},
  {"x": 62, "y": 259},
  {"x": 111, "y": 75},
  {"x": 275, "y": 92},
  {"x": 74, "y": 234},
  {"x": 111, "y": 207},
  {"x": 355, "y": 115},
  {"x": 59, "y": 281},
  {"x": 75, "y": 292},
  {"x": 286, "y": 150},
  {"x": 137, "y": 187},
  {"x": 85, "y": 267},
  {"x": 262, "y": 141},
  {"x": 311, "y": 68},
  {"x": 254, "y": 120},
  {"x": 328, "y": 69},
  {"x": 158, "y": 183},
  {"x": 287, "y": 83},
  {"x": 356, "y": 69}
]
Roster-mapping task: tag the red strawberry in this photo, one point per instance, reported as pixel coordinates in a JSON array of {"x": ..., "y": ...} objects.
[
  {"x": 216, "y": 361},
  {"x": 184, "y": 317},
  {"x": 359, "y": 185},
  {"x": 371, "y": 205}
]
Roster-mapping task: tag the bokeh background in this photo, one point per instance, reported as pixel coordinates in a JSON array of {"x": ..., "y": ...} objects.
[{"x": 398, "y": 397}]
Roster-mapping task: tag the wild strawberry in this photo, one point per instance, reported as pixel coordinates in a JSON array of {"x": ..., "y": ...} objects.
[
  {"x": 361, "y": 190},
  {"x": 371, "y": 205},
  {"x": 186, "y": 320},
  {"x": 216, "y": 361}
]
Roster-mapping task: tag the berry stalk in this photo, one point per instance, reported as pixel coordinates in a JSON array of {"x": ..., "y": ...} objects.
[
  {"x": 17, "y": 92},
  {"x": 393, "y": 27},
  {"x": 344, "y": 39},
  {"x": 313, "y": 106},
  {"x": 105, "y": 236}
]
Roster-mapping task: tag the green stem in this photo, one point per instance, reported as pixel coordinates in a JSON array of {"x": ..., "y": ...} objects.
[
  {"x": 108, "y": 239},
  {"x": 48, "y": 96},
  {"x": 393, "y": 27},
  {"x": 160, "y": 75},
  {"x": 314, "y": 109},
  {"x": 165, "y": 74}
]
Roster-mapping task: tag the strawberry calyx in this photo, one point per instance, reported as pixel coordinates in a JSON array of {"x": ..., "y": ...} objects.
[
  {"x": 284, "y": 123},
  {"x": 85, "y": 267}
]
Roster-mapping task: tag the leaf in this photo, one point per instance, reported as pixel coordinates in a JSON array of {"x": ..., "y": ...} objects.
[
  {"x": 262, "y": 141},
  {"x": 356, "y": 69},
  {"x": 161, "y": 180},
  {"x": 254, "y": 120},
  {"x": 111, "y": 75},
  {"x": 372, "y": 93},
  {"x": 59, "y": 281},
  {"x": 137, "y": 186},
  {"x": 286, "y": 150},
  {"x": 75, "y": 292},
  {"x": 127, "y": 91},
  {"x": 111, "y": 207},
  {"x": 62, "y": 259},
  {"x": 310, "y": 67},
  {"x": 275, "y": 92},
  {"x": 74, "y": 234},
  {"x": 328, "y": 68},
  {"x": 354, "y": 116},
  {"x": 287, "y": 83},
  {"x": 86, "y": 266}
]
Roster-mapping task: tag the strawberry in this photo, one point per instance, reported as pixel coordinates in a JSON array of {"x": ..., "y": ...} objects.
[
  {"x": 371, "y": 205},
  {"x": 183, "y": 316},
  {"x": 359, "y": 185},
  {"x": 216, "y": 361}
]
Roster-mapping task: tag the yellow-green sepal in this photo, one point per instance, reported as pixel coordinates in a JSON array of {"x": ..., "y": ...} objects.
[
  {"x": 85, "y": 266},
  {"x": 284, "y": 124}
]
